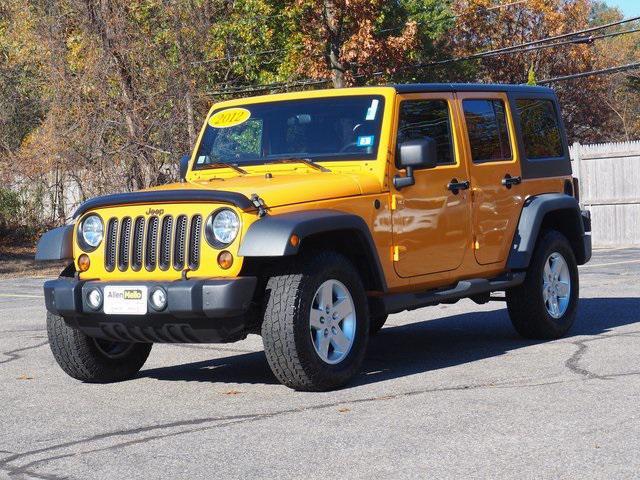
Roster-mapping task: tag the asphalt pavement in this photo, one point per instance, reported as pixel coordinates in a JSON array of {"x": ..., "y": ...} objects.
[{"x": 446, "y": 392}]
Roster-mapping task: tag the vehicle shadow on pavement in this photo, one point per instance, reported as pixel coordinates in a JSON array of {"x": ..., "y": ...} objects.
[
  {"x": 450, "y": 341},
  {"x": 398, "y": 351},
  {"x": 243, "y": 368}
]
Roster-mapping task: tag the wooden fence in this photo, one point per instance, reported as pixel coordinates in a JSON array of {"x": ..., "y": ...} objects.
[{"x": 609, "y": 177}]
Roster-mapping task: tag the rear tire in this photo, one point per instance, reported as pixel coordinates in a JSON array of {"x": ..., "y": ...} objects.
[
  {"x": 315, "y": 329},
  {"x": 544, "y": 306},
  {"x": 93, "y": 360}
]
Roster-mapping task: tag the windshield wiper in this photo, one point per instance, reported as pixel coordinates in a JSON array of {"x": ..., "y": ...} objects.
[
  {"x": 307, "y": 161},
  {"x": 221, "y": 165}
]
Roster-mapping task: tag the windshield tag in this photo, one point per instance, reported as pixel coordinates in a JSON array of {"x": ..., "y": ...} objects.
[
  {"x": 229, "y": 117},
  {"x": 372, "y": 110},
  {"x": 366, "y": 141}
]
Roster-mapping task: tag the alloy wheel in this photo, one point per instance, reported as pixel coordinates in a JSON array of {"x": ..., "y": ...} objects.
[{"x": 332, "y": 321}]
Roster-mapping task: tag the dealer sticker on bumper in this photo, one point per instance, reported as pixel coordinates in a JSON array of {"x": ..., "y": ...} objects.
[{"x": 125, "y": 300}]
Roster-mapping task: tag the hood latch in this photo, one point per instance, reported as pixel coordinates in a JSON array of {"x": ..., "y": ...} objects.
[{"x": 259, "y": 204}]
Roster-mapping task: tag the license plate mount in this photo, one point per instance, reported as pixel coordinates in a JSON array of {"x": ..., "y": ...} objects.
[{"x": 125, "y": 300}]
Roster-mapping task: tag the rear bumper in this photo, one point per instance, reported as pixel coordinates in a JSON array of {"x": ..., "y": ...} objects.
[{"x": 211, "y": 310}]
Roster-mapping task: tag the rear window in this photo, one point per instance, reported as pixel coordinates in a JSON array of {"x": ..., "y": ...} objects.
[
  {"x": 487, "y": 128},
  {"x": 540, "y": 128}
]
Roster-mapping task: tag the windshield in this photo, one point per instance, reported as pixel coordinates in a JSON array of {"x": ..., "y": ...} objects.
[{"x": 333, "y": 128}]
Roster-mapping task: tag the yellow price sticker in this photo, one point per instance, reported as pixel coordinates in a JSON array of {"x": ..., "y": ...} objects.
[{"x": 229, "y": 117}]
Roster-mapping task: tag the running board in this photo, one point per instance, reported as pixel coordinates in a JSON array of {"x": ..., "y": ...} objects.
[{"x": 399, "y": 302}]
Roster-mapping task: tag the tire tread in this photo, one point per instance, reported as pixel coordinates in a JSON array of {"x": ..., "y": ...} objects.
[
  {"x": 76, "y": 353},
  {"x": 524, "y": 302},
  {"x": 286, "y": 290}
]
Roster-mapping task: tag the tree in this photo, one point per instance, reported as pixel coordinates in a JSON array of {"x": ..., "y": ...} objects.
[
  {"x": 354, "y": 42},
  {"x": 479, "y": 27},
  {"x": 622, "y": 96}
]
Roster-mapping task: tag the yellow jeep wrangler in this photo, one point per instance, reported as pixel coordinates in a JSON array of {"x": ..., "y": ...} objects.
[{"x": 309, "y": 217}]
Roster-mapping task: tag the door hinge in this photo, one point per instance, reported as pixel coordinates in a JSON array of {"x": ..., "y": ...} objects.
[{"x": 394, "y": 202}]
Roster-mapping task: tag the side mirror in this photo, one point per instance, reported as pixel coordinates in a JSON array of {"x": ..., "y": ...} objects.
[
  {"x": 184, "y": 167},
  {"x": 422, "y": 153}
]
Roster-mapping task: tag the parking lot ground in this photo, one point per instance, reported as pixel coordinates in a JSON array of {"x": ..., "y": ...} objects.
[{"x": 446, "y": 392}]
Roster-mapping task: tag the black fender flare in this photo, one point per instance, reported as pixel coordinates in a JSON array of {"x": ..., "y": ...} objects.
[
  {"x": 56, "y": 244},
  {"x": 270, "y": 236},
  {"x": 533, "y": 213}
]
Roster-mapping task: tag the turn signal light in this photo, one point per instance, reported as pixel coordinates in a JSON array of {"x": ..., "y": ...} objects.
[
  {"x": 225, "y": 259},
  {"x": 294, "y": 240},
  {"x": 83, "y": 262}
]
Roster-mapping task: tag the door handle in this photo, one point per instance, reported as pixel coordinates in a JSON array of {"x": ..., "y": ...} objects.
[
  {"x": 455, "y": 186},
  {"x": 509, "y": 181}
]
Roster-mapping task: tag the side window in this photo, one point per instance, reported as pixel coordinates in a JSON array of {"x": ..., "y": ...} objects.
[
  {"x": 540, "y": 128},
  {"x": 487, "y": 127},
  {"x": 427, "y": 118}
]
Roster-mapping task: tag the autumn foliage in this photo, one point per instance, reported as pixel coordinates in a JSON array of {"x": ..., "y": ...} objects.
[
  {"x": 98, "y": 96},
  {"x": 341, "y": 42}
]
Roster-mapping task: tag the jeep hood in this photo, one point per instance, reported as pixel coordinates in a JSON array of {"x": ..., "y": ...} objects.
[{"x": 287, "y": 189}]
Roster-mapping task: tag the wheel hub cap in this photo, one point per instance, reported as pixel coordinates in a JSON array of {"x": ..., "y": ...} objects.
[
  {"x": 332, "y": 321},
  {"x": 556, "y": 285}
]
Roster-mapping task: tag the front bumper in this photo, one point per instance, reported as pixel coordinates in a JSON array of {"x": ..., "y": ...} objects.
[{"x": 211, "y": 310}]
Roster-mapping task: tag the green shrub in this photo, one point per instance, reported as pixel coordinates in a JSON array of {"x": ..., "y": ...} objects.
[{"x": 9, "y": 207}]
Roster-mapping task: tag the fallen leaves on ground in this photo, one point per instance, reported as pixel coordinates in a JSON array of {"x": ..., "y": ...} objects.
[{"x": 232, "y": 392}]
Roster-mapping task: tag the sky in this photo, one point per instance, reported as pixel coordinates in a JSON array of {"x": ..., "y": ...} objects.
[{"x": 630, "y": 8}]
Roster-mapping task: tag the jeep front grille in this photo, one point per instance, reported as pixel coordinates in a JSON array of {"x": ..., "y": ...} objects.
[{"x": 153, "y": 242}]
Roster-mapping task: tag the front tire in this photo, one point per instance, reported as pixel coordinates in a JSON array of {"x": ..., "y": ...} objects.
[
  {"x": 315, "y": 329},
  {"x": 93, "y": 360},
  {"x": 544, "y": 306}
]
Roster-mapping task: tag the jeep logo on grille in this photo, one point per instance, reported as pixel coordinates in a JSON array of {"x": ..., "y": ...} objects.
[{"x": 155, "y": 211}]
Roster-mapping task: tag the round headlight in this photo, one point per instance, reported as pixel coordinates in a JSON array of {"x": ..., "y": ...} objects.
[
  {"x": 91, "y": 232},
  {"x": 222, "y": 227}
]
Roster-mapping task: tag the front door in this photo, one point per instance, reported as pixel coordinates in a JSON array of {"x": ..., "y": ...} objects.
[
  {"x": 495, "y": 174},
  {"x": 431, "y": 227}
]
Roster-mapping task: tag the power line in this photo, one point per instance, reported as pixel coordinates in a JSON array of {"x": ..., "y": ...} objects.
[
  {"x": 511, "y": 48},
  {"x": 585, "y": 40},
  {"x": 602, "y": 71},
  {"x": 526, "y": 49},
  {"x": 268, "y": 86},
  {"x": 384, "y": 30},
  {"x": 235, "y": 57},
  {"x": 522, "y": 47},
  {"x": 262, "y": 88}
]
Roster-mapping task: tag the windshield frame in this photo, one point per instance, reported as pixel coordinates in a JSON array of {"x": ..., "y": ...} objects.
[{"x": 272, "y": 159}]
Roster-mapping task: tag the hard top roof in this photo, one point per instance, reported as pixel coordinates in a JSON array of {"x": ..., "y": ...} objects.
[{"x": 469, "y": 87}]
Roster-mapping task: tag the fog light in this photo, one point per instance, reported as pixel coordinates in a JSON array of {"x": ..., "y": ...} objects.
[
  {"x": 225, "y": 259},
  {"x": 158, "y": 299},
  {"x": 94, "y": 299},
  {"x": 84, "y": 262}
]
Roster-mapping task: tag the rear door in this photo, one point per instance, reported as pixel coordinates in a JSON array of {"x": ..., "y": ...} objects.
[
  {"x": 494, "y": 168},
  {"x": 431, "y": 227}
]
